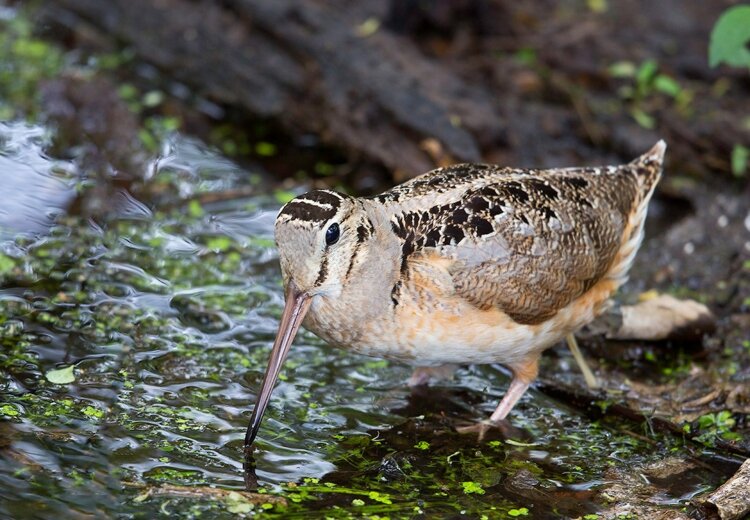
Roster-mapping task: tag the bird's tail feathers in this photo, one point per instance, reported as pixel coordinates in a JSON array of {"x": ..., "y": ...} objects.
[{"x": 649, "y": 167}]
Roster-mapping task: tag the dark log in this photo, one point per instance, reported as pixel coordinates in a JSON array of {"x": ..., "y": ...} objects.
[{"x": 327, "y": 69}]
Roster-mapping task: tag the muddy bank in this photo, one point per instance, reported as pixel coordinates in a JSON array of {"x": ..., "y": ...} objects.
[{"x": 411, "y": 84}]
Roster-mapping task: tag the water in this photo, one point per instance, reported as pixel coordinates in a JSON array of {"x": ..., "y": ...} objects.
[
  {"x": 167, "y": 317},
  {"x": 30, "y": 181}
]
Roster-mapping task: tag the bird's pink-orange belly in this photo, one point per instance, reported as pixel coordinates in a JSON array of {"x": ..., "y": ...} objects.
[{"x": 456, "y": 332}]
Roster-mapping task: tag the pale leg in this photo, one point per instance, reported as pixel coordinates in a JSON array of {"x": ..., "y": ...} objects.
[
  {"x": 587, "y": 374},
  {"x": 516, "y": 389},
  {"x": 523, "y": 375},
  {"x": 422, "y": 375}
]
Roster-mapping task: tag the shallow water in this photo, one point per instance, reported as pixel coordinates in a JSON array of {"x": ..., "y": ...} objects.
[
  {"x": 166, "y": 318},
  {"x": 35, "y": 189}
]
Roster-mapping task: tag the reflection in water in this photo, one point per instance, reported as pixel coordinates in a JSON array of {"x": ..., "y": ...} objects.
[{"x": 251, "y": 477}]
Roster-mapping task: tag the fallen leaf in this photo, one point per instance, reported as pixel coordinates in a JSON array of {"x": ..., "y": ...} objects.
[{"x": 61, "y": 376}]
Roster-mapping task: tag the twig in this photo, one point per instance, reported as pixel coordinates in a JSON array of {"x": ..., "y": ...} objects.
[{"x": 205, "y": 492}]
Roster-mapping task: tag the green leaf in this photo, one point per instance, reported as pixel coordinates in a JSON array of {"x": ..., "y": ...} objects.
[
  {"x": 9, "y": 410},
  {"x": 265, "y": 149},
  {"x": 732, "y": 436},
  {"x": 148, "y": 140},
  {"x": 383, "y": 498},
  {"x": 127, "y": 91},
  {"x": 195, "y": 209},
  {"x": 646, "y": 72},
  {"x": 472, "y": 487},
  {"x": 740, "y": 158},
  {"x": 642, "y": 118},
  {"x": 170, "y": 124},
  {"x": 6, "y": 264},
  {"x": 61, "y": 376},
  {"x": 705, "y": 421},
  {"x": 31, "y": 49},
  {"x": 724, "y": 418},
  {"x": 93, "y": 412},
  {"x": 153, "y": 98},
  {"x": 283, "y": 196},
  {"x": 730, "y": 37},
  {"x": 219, "y": 243},
  {"x": 667, "y": 85}
]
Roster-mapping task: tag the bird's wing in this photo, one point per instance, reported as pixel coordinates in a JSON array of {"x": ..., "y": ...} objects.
[{"x": 528, "y": 242}]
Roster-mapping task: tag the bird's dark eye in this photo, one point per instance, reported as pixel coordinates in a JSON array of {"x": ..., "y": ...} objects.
[{"x": 332, "y": 234}]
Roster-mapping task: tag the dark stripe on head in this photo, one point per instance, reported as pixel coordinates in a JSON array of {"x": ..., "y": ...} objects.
[
  {"x": 301, "y": 210},
  {"x": 314, "y": 206},
  {"x": 351, "y": 261},
  {"x": 324, "y": 197},
  {"x": 323, "y": 270}
]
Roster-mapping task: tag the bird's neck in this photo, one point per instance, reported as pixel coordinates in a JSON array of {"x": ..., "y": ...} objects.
[{"x": 365, "y": 295}]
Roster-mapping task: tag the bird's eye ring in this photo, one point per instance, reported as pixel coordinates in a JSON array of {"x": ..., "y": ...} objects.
[{"x": 332, "y": 234}]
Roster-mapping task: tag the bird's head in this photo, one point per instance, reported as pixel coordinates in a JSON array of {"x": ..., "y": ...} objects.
[{"x": 318, "y": 235}]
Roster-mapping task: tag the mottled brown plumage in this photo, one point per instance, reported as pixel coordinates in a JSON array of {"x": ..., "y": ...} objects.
[
  {"x": 527, "y": 241},
  {"x": 465, "y": 264}
]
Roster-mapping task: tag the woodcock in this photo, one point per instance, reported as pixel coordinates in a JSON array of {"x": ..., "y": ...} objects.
[{"x": 471, "y": 263}]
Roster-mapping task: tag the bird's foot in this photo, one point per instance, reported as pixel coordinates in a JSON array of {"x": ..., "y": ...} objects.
[
  {"x": 504, "y": 427},
  {"x": 480, "y": 429}
]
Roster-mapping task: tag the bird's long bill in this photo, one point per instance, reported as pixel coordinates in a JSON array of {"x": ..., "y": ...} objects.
[{"x": 296, "y": 306}]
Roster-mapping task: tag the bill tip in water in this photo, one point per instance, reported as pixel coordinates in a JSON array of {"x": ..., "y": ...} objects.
[{"x": 296, "y": 306}]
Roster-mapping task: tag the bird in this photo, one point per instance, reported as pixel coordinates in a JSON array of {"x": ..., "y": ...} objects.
[{"x": 465, "y": 264}]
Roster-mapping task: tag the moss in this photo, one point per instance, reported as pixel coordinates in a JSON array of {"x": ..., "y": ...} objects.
[{"x": 174, "y": 476}]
